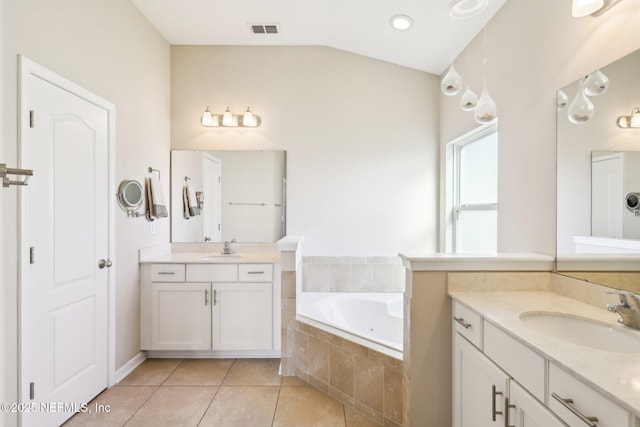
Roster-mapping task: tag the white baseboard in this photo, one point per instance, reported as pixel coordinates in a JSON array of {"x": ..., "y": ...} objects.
[{"x": 129, "y": 367}]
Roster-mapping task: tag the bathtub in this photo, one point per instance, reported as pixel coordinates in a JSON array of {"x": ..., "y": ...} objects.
[{"x": 370, "y": 319}]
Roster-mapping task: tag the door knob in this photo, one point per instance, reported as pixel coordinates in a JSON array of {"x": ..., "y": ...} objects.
[{"x": 104, "y": 263}]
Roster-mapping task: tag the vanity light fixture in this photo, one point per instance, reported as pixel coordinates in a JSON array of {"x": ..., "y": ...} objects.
[
  {"x": 401, "y": 22},
  {"x": 631, "y": 121},
  {"x": 582, "y": 8},
  {"x": 228, "y": 119}
]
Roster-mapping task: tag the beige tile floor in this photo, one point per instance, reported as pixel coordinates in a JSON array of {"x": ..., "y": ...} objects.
[{"x": 215, "y": 392}]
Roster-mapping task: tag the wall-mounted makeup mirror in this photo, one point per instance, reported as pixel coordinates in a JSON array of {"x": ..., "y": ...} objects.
[
  {"x": 218, "y": 196},
  {"x": 598, "y": 237},
  {"x": 130, "y": 197}
]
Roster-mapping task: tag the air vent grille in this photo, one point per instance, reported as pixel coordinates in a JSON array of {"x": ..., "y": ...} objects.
[{"x": 264, "y": 28}]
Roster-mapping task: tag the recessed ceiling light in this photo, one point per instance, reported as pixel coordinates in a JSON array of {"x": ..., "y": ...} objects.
[
  {"x": 401, "y": 22},
  {"x": 463, "y": 9}
]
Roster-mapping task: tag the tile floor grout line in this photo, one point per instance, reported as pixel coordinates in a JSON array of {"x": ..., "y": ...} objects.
[
  {"x": 209, "y": 405},
  {"x": 275, "y": 408},
  {"x": 141, "y": 406},
  {"x": 171, "y": 373},
  {"x": 228, "y": 371}
]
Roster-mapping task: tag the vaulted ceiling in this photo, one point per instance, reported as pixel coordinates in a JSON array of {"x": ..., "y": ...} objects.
[{"x": 358, "y": 26}]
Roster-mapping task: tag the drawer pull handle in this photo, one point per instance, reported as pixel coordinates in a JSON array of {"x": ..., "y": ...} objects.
[
  {"x": 568, "y": 403},
  {"x": 255, "y": 272},
  {"x": 464, "y": 324},
  {"x": 494, "y": 393},
  {"x": 171, "y": 273},
  {"x": 507, "y": 406}
]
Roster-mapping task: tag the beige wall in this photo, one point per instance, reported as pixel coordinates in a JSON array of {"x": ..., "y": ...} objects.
[
  {"x": 533, "y": 49},
  {"x": 109, "y": 48},
  {"x": 360, "y": 134}
]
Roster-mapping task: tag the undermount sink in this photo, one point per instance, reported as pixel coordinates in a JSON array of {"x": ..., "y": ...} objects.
[
  {"x": 582, "y": 331},
  {"x": 215, "y": 257}
]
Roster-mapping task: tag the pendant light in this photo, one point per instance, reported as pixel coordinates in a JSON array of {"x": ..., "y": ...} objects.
[
  {"x": 562, "y": 100},
  {"x": 469, "y": 99},
  {"x": 596, "y": 84},
  {"x": 452, "y": 82},
  {"x": 486, "y": 111},
  {"x": 581, "y": 109}
]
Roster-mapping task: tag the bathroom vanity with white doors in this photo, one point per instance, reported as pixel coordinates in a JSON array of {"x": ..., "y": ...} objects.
[
  {"x": 506, "y": 375},
  {"x": 211, "y": 306}
]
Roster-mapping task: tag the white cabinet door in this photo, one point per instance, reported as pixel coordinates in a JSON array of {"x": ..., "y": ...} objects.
[
  {"x": 242, "y": 316},
  {"x": 480, "y": 388},
  {"x": 180, "y": 316},
  {"x": 526, "y": 411}
]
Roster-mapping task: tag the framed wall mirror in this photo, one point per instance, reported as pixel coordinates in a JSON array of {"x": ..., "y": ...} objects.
[
  {"x": 598, "y": 161},
  {"x": 219, "y": 196}
]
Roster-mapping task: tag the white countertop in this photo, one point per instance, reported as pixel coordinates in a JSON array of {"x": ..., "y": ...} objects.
[
  {"x": 479, "y": 262},
  {"x": 213, "y": 258},
  {"x": 615, "y": 375}
]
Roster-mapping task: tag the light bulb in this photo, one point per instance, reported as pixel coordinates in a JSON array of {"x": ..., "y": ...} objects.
[
  {"x": 562, "y": 100},
  {"x": 635, "y": 118},
  {"x": 207, "y": 118},
  {"x": 452, "y": 82},
  {"x": 581, "y": 109},
  {"x": 469, "y": 100},
  {"x": 486, "y": 111},
  {"x": 248, "y": 119},
  {"x": 596, "y": 84},
  {"x": 227, "y": 118}
]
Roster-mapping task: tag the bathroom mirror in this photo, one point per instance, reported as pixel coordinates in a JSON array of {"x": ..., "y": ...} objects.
[
  {"x": 221, "y": 195},
  {"x": 598, "y": 161},
  {"x": 130, "y": 197}
]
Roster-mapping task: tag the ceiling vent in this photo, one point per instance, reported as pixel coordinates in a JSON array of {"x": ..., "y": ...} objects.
[{"x": 264, "y": 28}]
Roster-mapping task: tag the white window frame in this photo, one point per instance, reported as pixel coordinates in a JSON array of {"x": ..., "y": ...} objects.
[{"x": 451, "y": 187}]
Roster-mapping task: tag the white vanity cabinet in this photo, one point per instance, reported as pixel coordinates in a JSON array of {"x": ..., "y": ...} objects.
[
  {"x": 499, "y": 380},
  {"x": 216, "y": 309}
]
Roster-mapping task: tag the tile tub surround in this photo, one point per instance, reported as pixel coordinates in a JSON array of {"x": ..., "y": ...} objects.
[
  {"x": 352, "y": 274},
  {"x": 360, "y": 378}
]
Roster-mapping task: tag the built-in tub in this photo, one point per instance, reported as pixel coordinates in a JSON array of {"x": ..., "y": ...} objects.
[{"x": 370, "y": 319}]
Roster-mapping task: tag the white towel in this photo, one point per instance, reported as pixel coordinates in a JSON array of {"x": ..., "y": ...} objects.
[
  {"x": 193, "y": 202},
  {"x": 185, "y": 203},
  {"x": 157, "y": 206}
]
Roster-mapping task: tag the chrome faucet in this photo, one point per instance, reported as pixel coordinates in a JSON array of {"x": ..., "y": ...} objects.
[
  {"x": 226, "y": 248},
  {"x": 628, "y": 309}
]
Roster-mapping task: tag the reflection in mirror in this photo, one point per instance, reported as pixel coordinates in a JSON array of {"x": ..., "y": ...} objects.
[
  {"x": 219, "y": 196},
  {"x": 598, "y": 166}
]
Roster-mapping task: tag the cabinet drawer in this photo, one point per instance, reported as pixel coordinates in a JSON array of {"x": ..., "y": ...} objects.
[
  {"x": 586, "y": 401},
  {"x": 467, "y": 323},
  {"x": 255, "y": 272},
  {"x": 167, "y": 272},
  {"x": 519, "y": 361},
  {"x": 212, "y": 273}
]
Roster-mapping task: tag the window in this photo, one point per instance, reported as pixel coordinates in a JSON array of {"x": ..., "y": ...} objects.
[{"x": 474, "y": 212}]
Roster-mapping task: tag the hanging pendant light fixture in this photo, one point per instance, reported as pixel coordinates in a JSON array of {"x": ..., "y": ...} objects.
[
  {"x": 596, "y": 84},
  {"x": 452, "y": 82},
  {"x": 562, "y": 100},
  {"x": 469, "y": 99},
  {"x": 581, "y": 109},
  {"x": 486, "y": 111}
]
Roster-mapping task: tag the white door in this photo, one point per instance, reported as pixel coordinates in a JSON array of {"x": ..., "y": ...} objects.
[
  {"x": 212, "y": 189},
  {"x": 607, "y": 197},
  {"x": 65, "y": 218}
]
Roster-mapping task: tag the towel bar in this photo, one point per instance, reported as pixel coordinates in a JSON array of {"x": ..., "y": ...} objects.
[
  {"x": 151, "y": 170},
  {"x": 6, "y": 182}
]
